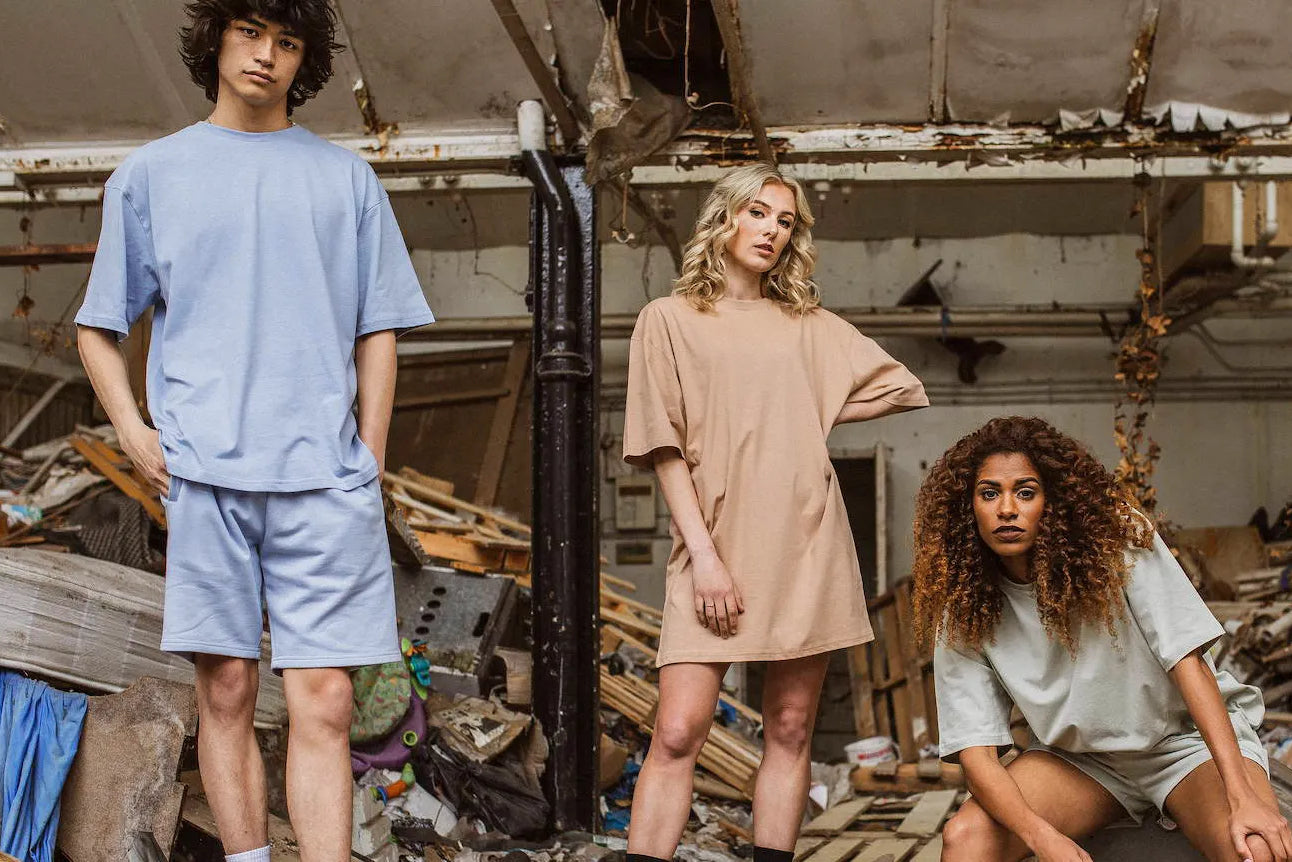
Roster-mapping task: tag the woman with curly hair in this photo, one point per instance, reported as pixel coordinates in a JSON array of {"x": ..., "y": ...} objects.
[
  {"x": 1043, "y": 587},
  {"x": 277, "y": 278},
  {"x": 734, "y": 382}
]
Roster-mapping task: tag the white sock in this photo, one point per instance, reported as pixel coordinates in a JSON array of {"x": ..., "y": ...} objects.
[{"x": 261, "y": 855}]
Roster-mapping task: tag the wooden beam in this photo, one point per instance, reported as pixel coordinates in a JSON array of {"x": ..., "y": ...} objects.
[
  {"x": 103, "y": 459},
  {"x": 34, "y": 413},
  {"x": 504, "y": 417},
  {"x": 539, "y": 70},
  {"x": 728, "y": 14},
  {"x": 36, "y": 255},
  {"x": 425, "y": 402}
]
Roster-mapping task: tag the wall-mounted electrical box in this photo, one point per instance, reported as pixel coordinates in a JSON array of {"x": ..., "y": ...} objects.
[{"x": 635, "y": 502}]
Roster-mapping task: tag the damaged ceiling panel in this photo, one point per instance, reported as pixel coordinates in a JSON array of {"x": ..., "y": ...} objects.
[
  {"x": 1231, "y": 56},
  {"x": 444, "y": 64},
  {"x": 429, "y": 65},
  {"x": 1022, "y": 61},
  {"x": 124, "y": 89},
  {"x": 839, "y": 61}
]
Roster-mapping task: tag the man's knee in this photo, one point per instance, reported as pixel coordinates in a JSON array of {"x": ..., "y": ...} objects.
[
  {"x": 320, "y": 698},
  {"x": 969, "y": 835},
  {"x": 226, "y": 687}
]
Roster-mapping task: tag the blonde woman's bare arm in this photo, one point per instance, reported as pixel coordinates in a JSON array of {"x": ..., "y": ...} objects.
[{"x": 718, "y": 603}]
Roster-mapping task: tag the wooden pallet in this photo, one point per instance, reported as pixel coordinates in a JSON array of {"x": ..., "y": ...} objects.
[
  {"x": 869, "y": 829},
  {"x": 892, "y": 679}
]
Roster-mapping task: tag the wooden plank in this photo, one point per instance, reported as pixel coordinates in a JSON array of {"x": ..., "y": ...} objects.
[
  {"x": 863, "y": 698},
  {"x": 804, "y": 847},
  {"x": 896, "y": 669},
  {"x": 36, "y": 255},
  {"x": 630, "y": 621},
  {"x": 926, "y": 817},
  {"x": 890, "y": 850},
  {"x": 446, "y": 399},
  {"x": 414, "y": 487},
  {"x": 32, "y": 414},
  {"x": 864, "y": 779},
  {"x": 609, "y": 596},
  {"x": 931, "y": 852},
  {"x": 504, "y": 416},
  {"x": 102, "y": 459},
  {"x": 449, "y": 547},
  {"x": 913, "y": 672},
  {"x": 838, "y": 850},
  {"x": 836, "y": 819}
]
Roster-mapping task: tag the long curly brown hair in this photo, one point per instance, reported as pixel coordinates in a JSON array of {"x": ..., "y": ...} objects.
[{"x": 1079, "y": 558}]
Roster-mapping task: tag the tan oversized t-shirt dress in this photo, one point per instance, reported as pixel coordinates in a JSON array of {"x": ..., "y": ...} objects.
[{"x": 748, "y": 393}]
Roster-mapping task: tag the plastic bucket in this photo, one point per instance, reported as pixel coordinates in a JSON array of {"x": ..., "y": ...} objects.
[{"x": 870, "y": 751}]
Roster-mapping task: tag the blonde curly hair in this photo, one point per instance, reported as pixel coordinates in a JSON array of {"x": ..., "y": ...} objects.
[{"x": 789, "y": 282}]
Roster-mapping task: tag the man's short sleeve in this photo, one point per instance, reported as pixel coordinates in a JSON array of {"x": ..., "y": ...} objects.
[
  {"x": 390, "y": 296},
  {"x": 1173, "y": 617},
  {"x": 123, "y": 281},
  {"x": 973, "y": 706}
]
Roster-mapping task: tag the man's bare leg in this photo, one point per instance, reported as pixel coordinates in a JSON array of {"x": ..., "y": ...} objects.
[
  {"x": 233, "y": 773},
  {"x": 319, "y": 781}
]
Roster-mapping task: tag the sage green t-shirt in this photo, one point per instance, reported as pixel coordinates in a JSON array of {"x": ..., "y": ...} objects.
[{"x": 1114, "y": 695}]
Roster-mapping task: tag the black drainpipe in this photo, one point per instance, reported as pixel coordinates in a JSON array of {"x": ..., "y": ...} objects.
[{"x": 564, "y": 297}]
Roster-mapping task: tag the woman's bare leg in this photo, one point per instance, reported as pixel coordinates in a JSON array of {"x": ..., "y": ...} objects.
[
  {"x": 790, "y": 694},
  {"x": 688, "y": 693},
  {"x": 1068, "y": 799},
  {"x": 1200, "y": 806}
]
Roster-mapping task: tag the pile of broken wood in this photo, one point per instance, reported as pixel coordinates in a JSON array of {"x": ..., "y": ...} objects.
[{"x": 1247, "y": 582}]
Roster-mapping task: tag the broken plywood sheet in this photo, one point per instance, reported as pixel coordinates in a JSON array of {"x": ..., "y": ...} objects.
[
  {"x": 926, "y": 817},
  {"x": 839, "y": 849},
  {"x": 931, "y": 852},
  {"x": 838, "y": 818},
  {"x": 804, "y": 846},
  {"x": 888, "y": 850},
  {"x": 98, "y": 625},
  {"x": 122, "y": 781}
]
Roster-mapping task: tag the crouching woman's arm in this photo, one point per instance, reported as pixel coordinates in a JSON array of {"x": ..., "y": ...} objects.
[{"x": 1249, "y": 814}]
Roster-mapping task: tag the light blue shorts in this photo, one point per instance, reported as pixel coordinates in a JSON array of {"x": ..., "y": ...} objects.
[{"x": 318, "y": 560}]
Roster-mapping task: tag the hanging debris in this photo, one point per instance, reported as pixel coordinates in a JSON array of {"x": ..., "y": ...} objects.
[{"x": 1139, "y": 360}]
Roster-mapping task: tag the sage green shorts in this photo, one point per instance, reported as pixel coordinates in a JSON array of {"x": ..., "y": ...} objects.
[{"x": 1142, "y": 780}]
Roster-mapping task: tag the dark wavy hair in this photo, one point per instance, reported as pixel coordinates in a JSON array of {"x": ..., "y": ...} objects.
[
  {"x": 313, "y": 20},
  {"x": 1079, "y": 559}
]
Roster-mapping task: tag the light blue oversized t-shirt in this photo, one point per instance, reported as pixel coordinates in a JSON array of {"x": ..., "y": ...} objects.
[{"x": 264, "y": 255}]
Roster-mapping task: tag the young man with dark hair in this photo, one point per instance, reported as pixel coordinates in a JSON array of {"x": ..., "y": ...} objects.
[{"x": 278, "y": 279}]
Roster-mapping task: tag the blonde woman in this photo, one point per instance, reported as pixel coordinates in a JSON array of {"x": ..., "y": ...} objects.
[{"x": 734, "y": 382}]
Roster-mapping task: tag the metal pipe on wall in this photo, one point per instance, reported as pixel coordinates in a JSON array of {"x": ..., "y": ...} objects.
[{"x": 564, "y": 270}]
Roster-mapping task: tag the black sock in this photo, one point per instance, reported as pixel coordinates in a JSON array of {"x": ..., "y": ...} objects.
[
  {"x": 767, "y": 854},
  {"x": 642, "y": 857}
]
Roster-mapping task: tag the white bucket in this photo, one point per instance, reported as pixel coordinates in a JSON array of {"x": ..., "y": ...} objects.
[{"x": 870, "y": 751}]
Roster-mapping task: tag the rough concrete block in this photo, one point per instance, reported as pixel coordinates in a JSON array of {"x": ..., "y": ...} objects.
[
  {"x": 123, "y": 779},
  {"x": 366, "y": 807},
  {"x": 370, "y": 838}
]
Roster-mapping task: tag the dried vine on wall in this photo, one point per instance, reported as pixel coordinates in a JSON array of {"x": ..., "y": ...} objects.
[{"x": 1139, "y": 361}]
